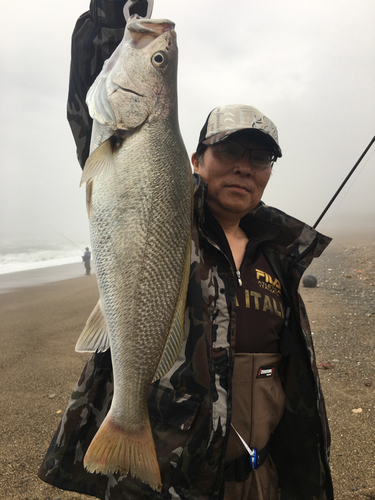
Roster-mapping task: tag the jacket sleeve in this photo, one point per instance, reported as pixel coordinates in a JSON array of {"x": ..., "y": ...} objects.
[{"x": 96, "y": 35}]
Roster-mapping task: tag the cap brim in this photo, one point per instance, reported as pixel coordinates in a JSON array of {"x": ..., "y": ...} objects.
[{"x": 252, "y": 132}]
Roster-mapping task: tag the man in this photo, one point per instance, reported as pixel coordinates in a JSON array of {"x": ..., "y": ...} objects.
[
  {"x": 246, "y": 376},
  {"x": 237, "y": 148},
  {"x": 87, "y": 259}
]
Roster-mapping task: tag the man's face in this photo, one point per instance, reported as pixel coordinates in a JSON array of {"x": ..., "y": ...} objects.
[{"x": 235, "y": 187}]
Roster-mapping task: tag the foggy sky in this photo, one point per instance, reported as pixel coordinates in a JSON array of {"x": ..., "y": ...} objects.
[{"x": 309, "y": 66}]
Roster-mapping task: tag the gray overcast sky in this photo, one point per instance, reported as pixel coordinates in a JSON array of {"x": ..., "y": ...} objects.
[{"x": 309, "y": 66}]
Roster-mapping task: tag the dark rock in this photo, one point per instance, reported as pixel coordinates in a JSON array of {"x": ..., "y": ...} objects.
[{"x": 309, "y": 281}]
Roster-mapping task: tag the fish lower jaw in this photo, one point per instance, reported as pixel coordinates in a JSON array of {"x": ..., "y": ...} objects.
[{"x": 116, "y": 449}]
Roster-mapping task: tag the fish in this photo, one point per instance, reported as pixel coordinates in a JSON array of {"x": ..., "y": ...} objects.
[{"x": 139, "y": 200}]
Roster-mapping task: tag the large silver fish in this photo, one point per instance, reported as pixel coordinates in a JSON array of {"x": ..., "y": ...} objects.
[{"x": 139, "y": 197}]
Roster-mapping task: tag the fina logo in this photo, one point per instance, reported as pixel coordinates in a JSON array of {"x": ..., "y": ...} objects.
[{"x": 268, "y": 279}]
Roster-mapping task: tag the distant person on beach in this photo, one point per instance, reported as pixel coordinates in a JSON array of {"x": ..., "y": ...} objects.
[{"x": 87, "y": 260}]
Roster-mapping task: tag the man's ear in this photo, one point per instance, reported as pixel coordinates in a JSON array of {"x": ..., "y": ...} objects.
[{"x": 195, "y": 162}]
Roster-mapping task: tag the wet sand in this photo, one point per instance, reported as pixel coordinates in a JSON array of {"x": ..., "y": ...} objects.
[
  {"x": 40, "y": 324},
  {"x": 34, "y": 277}
]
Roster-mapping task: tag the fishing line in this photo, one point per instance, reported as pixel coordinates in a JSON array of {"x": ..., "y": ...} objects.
[
  {"x": 348, "y": 189},
  {"x": 344, "y": 182},
  {"x": 72, "y": 242}
]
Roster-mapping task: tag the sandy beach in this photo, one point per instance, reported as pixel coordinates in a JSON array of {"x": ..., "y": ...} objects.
[
  {"x": 34, "y": 277},
  {"x": 39, "y": 326}
]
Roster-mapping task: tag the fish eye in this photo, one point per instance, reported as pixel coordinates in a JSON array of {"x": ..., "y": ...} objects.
[{"x": 159, "y": 59}]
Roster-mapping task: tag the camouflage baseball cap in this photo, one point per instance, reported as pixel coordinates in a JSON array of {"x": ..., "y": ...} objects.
[{"x": 226, "y": 120}]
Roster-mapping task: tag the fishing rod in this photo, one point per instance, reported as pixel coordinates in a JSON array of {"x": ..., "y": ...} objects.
[
  {"x": 65, "y": 238},
  {"x": 344, "y": 182}
]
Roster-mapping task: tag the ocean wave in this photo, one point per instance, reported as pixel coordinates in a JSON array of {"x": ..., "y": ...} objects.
[{"x": 38, "y": 258}]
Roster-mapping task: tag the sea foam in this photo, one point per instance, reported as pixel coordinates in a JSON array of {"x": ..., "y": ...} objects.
[{"x": 36, "y": 258}]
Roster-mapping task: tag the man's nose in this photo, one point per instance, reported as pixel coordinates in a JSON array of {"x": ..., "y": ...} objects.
[{"x": 244, "y": 165}]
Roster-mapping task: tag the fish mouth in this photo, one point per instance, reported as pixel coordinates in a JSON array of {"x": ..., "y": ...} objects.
[
  {"x": 141, "y": 32},
  {"x": 153, "y": 27}
]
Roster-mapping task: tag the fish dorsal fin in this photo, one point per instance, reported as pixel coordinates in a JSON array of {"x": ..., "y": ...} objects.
[
  {"x": 176, "y": 334},
  {"x": 100, "y": 162},
  {"x": 95, "y": 335}
]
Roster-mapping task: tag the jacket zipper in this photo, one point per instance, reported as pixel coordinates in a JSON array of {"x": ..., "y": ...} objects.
[{"x": 238, "y": 274}]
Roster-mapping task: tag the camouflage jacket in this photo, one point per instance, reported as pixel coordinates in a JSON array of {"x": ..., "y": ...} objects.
[{"x": 190, "y": 407}]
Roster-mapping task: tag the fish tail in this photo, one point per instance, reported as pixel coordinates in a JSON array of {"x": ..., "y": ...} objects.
[{"x": 115, "y": 449}]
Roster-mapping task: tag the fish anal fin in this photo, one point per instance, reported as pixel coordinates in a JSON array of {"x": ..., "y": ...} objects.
[
  {"x": 100, "y": 162},
  {"x": 95, "y": 335},
  {"x": 176, "y": 334},
  {"x": 115, "y": 449}
]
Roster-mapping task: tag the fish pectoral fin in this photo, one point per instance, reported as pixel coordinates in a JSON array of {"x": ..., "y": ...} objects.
[
  {"x": 176, "y": 334},
  {"x": 100, "y": 162},
  {"x": 95, "y": 335}
]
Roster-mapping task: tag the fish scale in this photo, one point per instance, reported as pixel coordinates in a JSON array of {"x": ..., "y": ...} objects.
[{"x": 139, "y": 192}]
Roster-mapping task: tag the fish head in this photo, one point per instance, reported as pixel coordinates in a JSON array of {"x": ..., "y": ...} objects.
[{"x": 139, "y": 81}]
